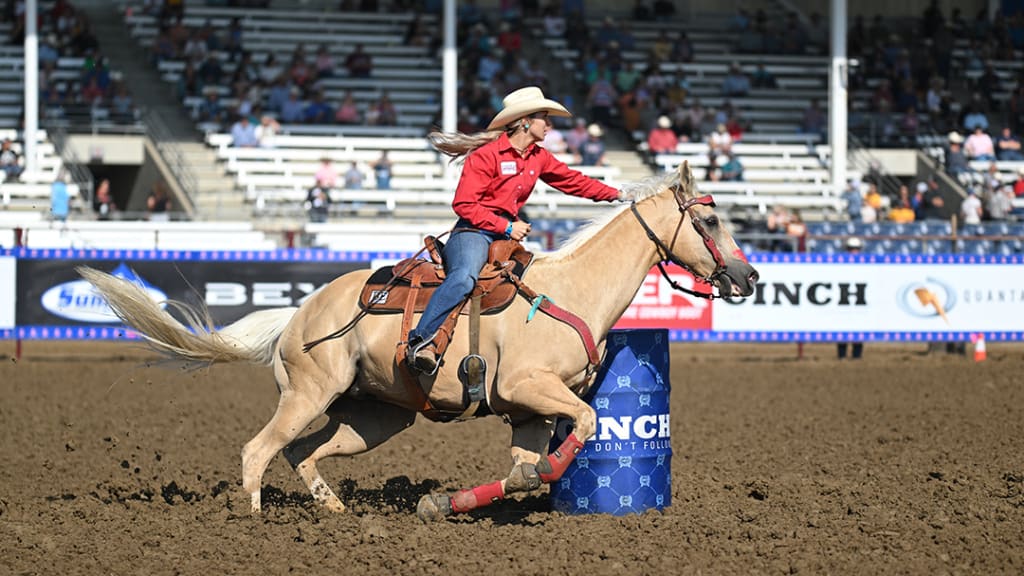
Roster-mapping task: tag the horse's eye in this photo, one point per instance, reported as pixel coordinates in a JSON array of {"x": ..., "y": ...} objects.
[{"x": 711, "y": 220}]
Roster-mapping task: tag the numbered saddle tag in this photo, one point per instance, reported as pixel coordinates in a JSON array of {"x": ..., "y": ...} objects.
[{"x": 508, "y": 168}]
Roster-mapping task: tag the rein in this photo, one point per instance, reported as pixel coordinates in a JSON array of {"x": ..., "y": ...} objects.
[
  {"x": 362, "y": 313},
  {"x": 666, "y": 253}
]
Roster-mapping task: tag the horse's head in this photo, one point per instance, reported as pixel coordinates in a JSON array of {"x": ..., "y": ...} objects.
[{"x": 704, "y": 246}]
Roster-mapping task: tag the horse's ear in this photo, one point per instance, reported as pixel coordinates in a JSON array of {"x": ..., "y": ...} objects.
[{"x": 685, "y": 176}]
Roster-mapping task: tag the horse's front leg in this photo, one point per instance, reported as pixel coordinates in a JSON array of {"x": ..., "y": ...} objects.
[{"x": 544, "y": 394}]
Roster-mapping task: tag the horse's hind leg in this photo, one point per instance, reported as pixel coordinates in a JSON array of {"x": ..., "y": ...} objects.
[
  {"x": 354, "y": 426},
  {"x": 544, "y": 394},
  {"x": 296, "y": 409}
]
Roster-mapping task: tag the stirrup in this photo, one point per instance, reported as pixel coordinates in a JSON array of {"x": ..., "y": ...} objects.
[{"x": 420, "y": 358}]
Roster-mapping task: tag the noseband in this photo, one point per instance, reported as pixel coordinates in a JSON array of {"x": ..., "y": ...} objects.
[{"x": 665, "y": 253}]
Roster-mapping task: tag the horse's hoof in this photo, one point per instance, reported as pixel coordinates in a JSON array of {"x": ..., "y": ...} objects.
[{"x": 434, "y": 507}]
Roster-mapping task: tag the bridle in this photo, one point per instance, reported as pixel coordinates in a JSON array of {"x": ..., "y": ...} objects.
[{"x": 665, "y": 253}]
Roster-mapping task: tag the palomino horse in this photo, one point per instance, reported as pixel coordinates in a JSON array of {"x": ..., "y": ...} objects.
[{"x": 538, "y": 368}]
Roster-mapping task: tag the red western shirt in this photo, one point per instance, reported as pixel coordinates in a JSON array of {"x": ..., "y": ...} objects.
[{"x": 496, "y": 182}]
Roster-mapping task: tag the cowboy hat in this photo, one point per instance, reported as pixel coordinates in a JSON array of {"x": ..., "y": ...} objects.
[
  {"x": 524, "y": 102},
  {"x": 955, "y": 137},
  {"x": 664, "y": 122},
  {"x": 595, "y": 131}
]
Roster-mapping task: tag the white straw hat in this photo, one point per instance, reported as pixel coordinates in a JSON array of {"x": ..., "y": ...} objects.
[
  {"x": 955, "y": 137},
  {"x": 664, "y": 122},
  {"x": 595, "y": 131},
  {"x": 523, "y": 102}
]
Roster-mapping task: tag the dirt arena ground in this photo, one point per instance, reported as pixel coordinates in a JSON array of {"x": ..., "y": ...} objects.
[{"x": 901, "y": 463}]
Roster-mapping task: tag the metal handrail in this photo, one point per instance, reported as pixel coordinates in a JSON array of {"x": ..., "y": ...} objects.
[
  {"x": 888, "y": 185},
  {"x": 70, "y": 163},
  {"x": 172, "y": 154}
]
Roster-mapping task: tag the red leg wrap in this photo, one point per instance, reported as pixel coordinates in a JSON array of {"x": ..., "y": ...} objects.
[
  {"x": 466, "y": 500},
  {"x": 560, "y": 459}
]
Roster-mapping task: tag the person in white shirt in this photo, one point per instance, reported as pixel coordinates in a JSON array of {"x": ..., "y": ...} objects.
[{"x": 970, "y": 208}]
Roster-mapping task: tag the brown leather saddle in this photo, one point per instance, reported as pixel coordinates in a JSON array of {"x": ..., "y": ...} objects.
[{"x": 406, "y": 287}]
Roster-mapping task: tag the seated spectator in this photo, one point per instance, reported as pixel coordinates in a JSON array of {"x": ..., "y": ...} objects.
[
  {"x": 324, "y": 63},
  {"x": 814, "y": 119},
  {"x": 575, "y": 138},
  {"x": 778, "y": 223},
  {"x": 10, "y": 162},
  {"x": 271, "y": 70},
  {"x": 292, "y": 110},
  {"x": 974, "y": 118},
  {"x": 318, "y": 203},
  {"x": 592, "y": 150},
  {"x": 318, "y": 111},
  {"x": 348, "y": 111},
  {"x": 682, "y": 48},
  {"x": 956, "y": 160},
  {"x": 359, "y": 63},
  {"x": 158, "y": 205},
  {"x": 554, "y": 141},
  {"x": 902, "y": 211},
  {"x": 211, "y": 109},
  {"x": 1008, "y": 146},
  {"x": 720, "y": 141},
  {"x": 382, "y": 112},
  {"x": 1018, "y": 185},
  {"x": 326, "y": 175},
  {"x": 382, "y": 171},
  {"x": 732, "y": 170},
  {"x": 210, "y": 71},
  {"x": 267, "y": 131},
  {"x": 970, "y": 208},
  {"x": 243, "y": 133},
  {"x": 105, "y": 207},
  {"x": 736, "y": 82},
  {"x": 232, "y": 43},
  {"x": 661, "y": 139},
  {"x": 762, "y": 78},
  {"x": 873, "y": 200},
  {"x": 122, "y": 107},
  {"x": 999, "y": 202},
  {"x": 300, "y": 73},
  {"x": 354, "y": 178},
  {"x": 734, "y": 126},
  {"x": 979, "y": 146}
]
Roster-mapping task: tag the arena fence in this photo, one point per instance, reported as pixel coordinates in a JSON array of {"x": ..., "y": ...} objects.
[{"x": 800, "y": 298}]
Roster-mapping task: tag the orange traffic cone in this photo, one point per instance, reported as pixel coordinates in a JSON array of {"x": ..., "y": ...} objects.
[{"x": 979, "y": 348}]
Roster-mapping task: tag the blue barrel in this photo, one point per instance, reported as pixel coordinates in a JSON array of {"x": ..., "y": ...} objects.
[{"x": 626, "y": 467}]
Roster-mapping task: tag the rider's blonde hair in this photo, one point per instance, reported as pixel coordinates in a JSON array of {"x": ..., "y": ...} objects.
[{"x": 457, "y": 145}]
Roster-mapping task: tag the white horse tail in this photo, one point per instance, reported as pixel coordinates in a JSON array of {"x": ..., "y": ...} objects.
[{"x": 250, "y": 339}]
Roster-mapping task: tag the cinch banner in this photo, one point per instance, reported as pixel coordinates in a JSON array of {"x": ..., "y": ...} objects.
[{"x": 888, "y": 298}]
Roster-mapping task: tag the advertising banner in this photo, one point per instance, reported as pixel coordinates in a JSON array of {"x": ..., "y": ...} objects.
[
  {"x": 658, "y": 305},
  {"x": 886, "y": 298},
  {"x": 799, "y": 298},
  {"x": 8, "y": 282},
  {"x": 54, "y": 302}
]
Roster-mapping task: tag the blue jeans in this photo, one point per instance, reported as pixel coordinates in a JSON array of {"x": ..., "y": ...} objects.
[{"x": 464, "y": 255}]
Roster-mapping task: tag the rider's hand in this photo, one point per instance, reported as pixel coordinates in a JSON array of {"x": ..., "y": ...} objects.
[{"x": 519, "y": 230}]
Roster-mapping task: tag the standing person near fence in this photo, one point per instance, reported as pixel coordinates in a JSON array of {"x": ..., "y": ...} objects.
[{"x": 501, "y": 167}]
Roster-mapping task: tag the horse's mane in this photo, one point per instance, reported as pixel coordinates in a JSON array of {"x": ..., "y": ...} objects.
[{"x": 638, "y": 191}]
